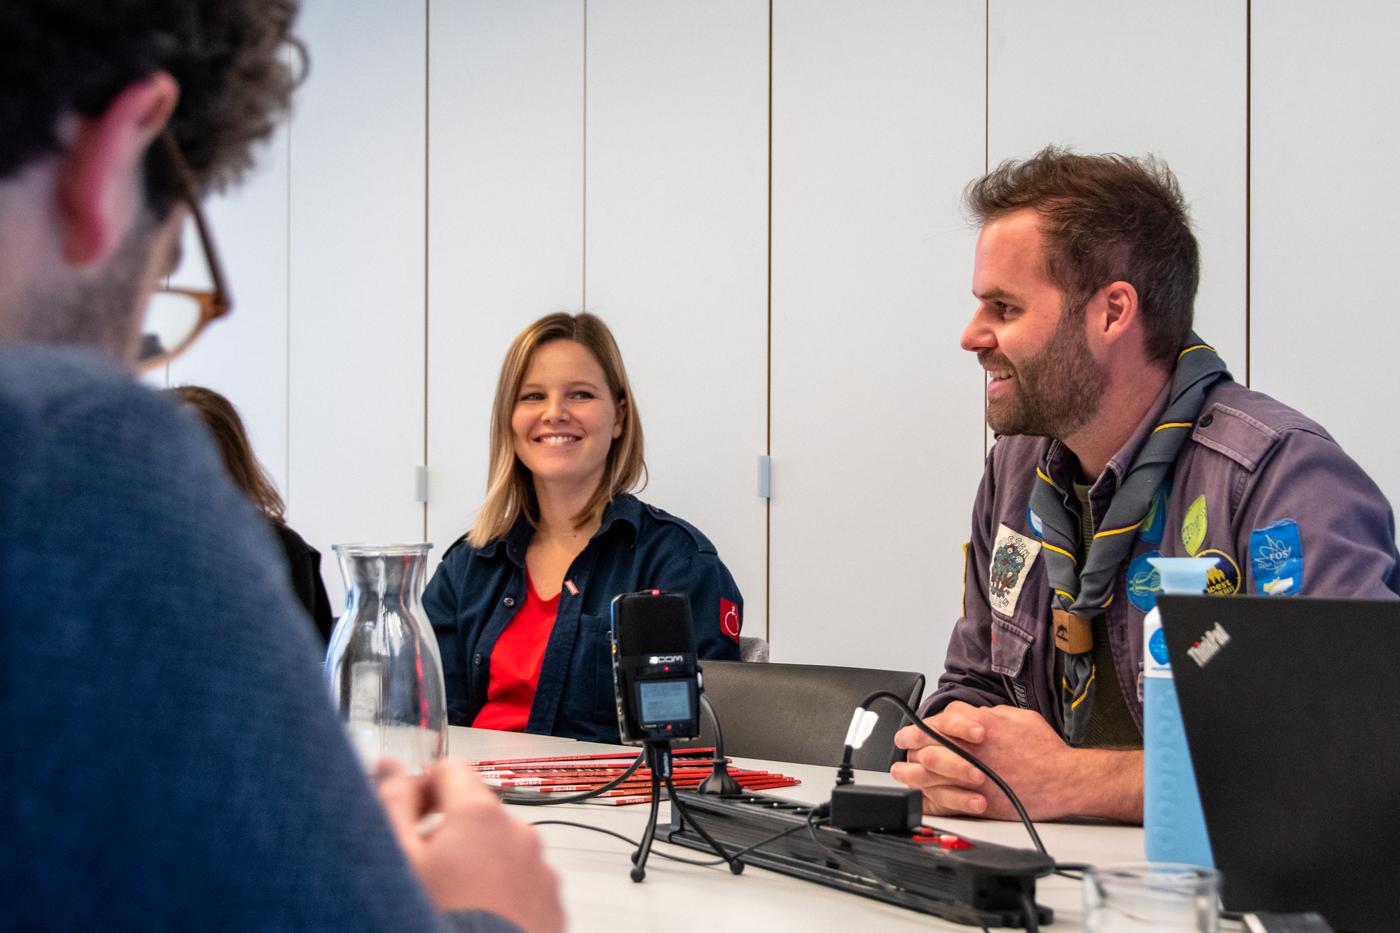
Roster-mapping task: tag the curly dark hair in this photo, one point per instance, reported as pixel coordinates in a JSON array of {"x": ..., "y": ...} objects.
[
  {"x": 60, "y": 56},
  {"x": 1105, "y": 218}
]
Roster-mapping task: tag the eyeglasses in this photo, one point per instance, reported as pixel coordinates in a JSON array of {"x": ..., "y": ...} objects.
[{"x": 176, "y": 316}]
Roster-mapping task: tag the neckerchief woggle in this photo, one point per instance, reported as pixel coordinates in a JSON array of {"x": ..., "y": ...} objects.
[{"x": 1081, "y": 593}]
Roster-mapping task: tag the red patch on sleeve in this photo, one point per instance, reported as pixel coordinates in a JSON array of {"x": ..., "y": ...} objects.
[{"x": 729, "y": 619}]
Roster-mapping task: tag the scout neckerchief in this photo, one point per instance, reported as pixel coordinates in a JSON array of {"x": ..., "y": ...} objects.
[{"x": 1080, "y": 594}]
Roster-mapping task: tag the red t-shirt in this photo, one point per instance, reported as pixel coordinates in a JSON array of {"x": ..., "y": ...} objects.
[{"x": 515, "y": 663}]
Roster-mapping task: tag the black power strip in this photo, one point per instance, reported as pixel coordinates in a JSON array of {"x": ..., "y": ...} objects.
[{"x": 958, "y": 879}]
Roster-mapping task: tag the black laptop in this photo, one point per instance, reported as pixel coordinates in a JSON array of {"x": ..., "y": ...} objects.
[{"x": 1292, "y": 714}]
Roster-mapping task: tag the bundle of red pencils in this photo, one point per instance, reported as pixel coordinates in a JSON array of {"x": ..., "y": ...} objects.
[{"x": 573, "y": 774}]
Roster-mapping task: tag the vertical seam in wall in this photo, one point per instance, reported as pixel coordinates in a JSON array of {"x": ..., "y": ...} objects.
[
  {"x": 287, "y": 361},
  {"x": 768, "y": 389},
  {"x": 583, "y": 286},
  {"x": 986, "y": 164},
  {"x": 427, "y": 206},
  {"x": 1248, "y": 180}
]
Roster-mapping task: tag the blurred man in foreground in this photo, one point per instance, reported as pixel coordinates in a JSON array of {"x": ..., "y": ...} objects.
[{"x": 171, "y": 757}]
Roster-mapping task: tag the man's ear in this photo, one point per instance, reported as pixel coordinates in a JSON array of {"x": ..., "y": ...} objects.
[
  {"x": 101, "y": 185},
  {"x": 1114, "y": 312}
]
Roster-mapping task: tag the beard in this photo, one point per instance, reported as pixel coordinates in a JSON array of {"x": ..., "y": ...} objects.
[
  {"x": 99, "y": 313},
  {"x": 1057, "y": 391}
]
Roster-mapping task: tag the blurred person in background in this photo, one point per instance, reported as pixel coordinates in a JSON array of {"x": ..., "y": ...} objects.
[{"x": 231, "y": 438}]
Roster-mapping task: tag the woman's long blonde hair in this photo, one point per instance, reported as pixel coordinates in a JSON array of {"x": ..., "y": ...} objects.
[{"x": 510, "y": 489}]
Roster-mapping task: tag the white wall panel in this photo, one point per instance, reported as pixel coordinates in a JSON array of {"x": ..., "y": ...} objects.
[
  {"x": 357, "y": 275},
  {"x": 505, "y": 214},
  {"x": 677, "y": 251},
  {"x": 244, "y": 356},
  {"x": 1326, "y": 220},
  {"x": 1138, "y": 76},
  {"x": 877, "y": 412}
]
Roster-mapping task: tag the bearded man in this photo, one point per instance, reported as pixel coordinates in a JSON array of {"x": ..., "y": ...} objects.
[{"x": 1121, "y": 436}]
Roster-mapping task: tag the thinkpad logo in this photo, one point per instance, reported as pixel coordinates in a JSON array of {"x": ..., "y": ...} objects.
[{"x": 1209, "y": 645}]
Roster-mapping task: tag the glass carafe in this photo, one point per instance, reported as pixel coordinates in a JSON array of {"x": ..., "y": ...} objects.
[{"x": 383, "y": 666}]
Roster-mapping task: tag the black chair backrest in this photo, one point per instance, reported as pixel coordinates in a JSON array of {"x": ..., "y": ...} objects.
[{"x": 801, "y": 712}]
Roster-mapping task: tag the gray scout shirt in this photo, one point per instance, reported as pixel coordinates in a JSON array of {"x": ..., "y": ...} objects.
[{"x": 1258, "y": 486}]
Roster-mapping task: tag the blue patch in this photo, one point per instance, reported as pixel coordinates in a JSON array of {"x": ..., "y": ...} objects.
[
  {"x": 1224, "y": 578},
  {"x": 1276, "y": 557},
  {"x": 1155, "y": 524},
  {"x": 1157, "y": 647},
  {"x": 1034, "y": 521},
  {"x": 1143, "y": 582}
]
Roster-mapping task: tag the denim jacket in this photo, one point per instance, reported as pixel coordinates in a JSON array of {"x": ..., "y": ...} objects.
[
  {"x": 477, "y": 591},
  {"x": 1258, "y": 486}
]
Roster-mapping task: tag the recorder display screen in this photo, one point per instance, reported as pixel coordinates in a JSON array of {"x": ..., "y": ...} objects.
[{"x": 665, "y": 700}]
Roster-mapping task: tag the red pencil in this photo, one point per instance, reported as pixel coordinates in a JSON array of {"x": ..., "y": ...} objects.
[{"x": 603, "y": 756}]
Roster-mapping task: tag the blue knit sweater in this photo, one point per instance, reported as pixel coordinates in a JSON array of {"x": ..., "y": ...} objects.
[{"x": 169, "y": 758}]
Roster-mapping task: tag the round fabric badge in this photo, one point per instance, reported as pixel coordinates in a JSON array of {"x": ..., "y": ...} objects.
[
  {"x": 1224, "y": 578},
  {"x": 1143, "y": 582},
  {"x": 1157, "y": 647}
]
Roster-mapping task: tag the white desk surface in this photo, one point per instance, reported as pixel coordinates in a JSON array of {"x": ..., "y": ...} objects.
[
  {"x": 599, "y": 895},
  {"x": 484, "y": 743}
]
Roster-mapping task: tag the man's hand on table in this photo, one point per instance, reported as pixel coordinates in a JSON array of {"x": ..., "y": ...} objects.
[
  {"x": 1051, "y": 779},
  {"x": 477, "y": 856}
]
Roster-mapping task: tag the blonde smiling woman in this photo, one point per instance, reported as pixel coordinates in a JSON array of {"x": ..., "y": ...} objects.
[{"x": 520, "y": 603}]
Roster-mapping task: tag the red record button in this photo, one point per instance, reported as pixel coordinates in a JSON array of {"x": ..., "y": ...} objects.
[{"x": 949, "y": 841}]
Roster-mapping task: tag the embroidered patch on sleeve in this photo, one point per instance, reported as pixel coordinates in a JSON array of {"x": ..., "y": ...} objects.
[
  {"x": 1193, "y": 526},
  {"x": 1276, "y": 556},
  {"x": 1155, "y": 524},
  {"x": 1143, "y": 581},
  {"x": 729, "y": 619},
  {"x": 1012, "y": 556}
]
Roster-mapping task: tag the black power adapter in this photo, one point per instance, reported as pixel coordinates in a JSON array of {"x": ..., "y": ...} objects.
[{"x": 876, "y": 809}]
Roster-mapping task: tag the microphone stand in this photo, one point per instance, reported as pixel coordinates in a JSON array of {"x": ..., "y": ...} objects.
[
  {"x": 720, "y": 782},
  {"x": 658, "y": 760}
]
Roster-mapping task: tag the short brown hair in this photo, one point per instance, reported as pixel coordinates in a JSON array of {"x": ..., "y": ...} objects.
[
  {"x": 226, "y": 428},
  {"x": 510, "y": 490},
  {"x": 61, "y": 56},
  {"x": 1105, "y": 218}
]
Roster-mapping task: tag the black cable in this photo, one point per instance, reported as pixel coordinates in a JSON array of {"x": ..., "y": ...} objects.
[
  {"x": 1074, "y": 871},
  {"x": 676, "y": 858},
  {"x": 630, "y": 842},
  {"x": 883, "y": 884},
  {"x": 1032, "y": 918},
  {"x": 913, "y": 717},
  {"x": 735, "y": 866},
  {"x": 545, "y": 800},
  {"x": 709, "y": 707},
  {"x": 720, "y": 782},
  {"x": 763, "y": 842}
]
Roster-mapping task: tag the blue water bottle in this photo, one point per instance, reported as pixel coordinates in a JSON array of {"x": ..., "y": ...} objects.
[{"x": 1173, "y": 825}]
